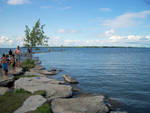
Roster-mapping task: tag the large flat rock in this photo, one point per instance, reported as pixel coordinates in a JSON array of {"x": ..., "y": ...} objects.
[
  {"x": 32, "y": 81},
  {"x": 31, "y": 104},
  {"x": 33, "y": 73},
  {"x": 45, "y": 72},
  {"x": 53, "y": 88},
  {"x": 89, "y": 104},
  {"x": 3, "y": 90}
]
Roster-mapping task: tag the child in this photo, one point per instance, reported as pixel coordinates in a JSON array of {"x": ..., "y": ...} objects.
[
  {"x": 4, "y": 65},
  {"x": 12, "y": 62}
]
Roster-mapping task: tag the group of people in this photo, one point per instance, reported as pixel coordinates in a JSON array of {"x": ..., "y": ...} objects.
[{"x": 12, "y": 59}]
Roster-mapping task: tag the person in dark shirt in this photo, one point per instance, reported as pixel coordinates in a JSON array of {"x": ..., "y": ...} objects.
[{"x": 10, "y": 53}]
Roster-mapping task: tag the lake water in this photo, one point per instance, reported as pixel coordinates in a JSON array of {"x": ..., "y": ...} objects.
[{"x": 121, "y": 73}]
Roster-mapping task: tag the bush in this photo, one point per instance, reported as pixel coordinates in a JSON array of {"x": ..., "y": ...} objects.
[{"x": 27, "y": 64}]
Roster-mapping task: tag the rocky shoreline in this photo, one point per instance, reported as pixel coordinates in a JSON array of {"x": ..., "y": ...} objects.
[{"x": 58, "y": 94}]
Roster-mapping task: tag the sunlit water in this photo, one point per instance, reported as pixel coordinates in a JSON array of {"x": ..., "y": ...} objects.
[{"x": 121, "y": 73}]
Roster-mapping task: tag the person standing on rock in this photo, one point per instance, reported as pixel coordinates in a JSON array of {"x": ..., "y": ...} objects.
[
  {"x": 10, "y": 53},
  {"x": 4, "y": 65},
  {"x": 17, "y": 55}
]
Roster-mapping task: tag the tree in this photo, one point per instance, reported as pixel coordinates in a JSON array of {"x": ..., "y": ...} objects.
[{"x": 35, "y": 37}]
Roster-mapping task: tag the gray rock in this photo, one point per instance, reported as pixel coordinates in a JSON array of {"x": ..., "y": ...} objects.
[
  {"x": 52, "y": 69},
  {"x": 69, "y": 79},
  {"x": 52, "y": 87},
  {"x": 90, "y": 104},
  {"x": 118, "y": 112},
  {"x": 38, "y": 67},
  {"x": 4, "y": 81},
  {"x": 45, "y": 72},
  {"x": 31, "y": 104},
  {"x": 32, "y": 72},
  {"x": 31, "y": 81},
  {"x": 37, "y": 62},
  {"x": 3, "y": 90}
]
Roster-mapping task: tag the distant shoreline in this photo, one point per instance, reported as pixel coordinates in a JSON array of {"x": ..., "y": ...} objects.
[{"x": 82, "y": 47}]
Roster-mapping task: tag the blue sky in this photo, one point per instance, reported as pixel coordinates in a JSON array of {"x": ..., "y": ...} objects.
[{"x": 78, "y": 22}]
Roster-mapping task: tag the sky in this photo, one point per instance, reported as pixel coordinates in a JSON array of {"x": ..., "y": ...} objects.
[{"x": 77, "y": 22}]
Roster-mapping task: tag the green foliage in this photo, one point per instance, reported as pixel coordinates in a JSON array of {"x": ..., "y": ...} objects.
[
  {"x": 12, "y": 100},
  {"x": 20, "y": 91},
  {"x": 45, "y": 108},
  {"x": 42, "y": 93},
  {"x": 27, "y": 64},
  {"x": 35, "y": 36}
]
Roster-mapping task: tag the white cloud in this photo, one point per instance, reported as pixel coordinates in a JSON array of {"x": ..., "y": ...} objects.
[
  {"x": 55, "y": 41},
  {"x": 115, "y": 38},
  {"x": 147, "y": 37},
  {"x": 19, "y": 40},
  {"x": 109, "y": 32},
  {"x": 72, "y": 31},
  {"x": 61, "y": 30},
  {"x": 57, "y": 37},
  {"x": 105, "y": 9},
  {"x": 17, "y": 2},
  {"x": 134, "y": 37},
  {"x": 83, "y": 42},
  {"x": 126, "y": 20},
  {"x": 5, "y": 41}
]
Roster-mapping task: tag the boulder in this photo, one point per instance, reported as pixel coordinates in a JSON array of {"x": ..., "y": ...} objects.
[
  {"x": 3, "y": 90},
  {"x": 5, "y": 81},
  {"x": 45, "y": 72},
  {"x": 69, "y": 79},
  {"x": 53, "y": 88},
  {"x": 38, "y": 67},
  {"x": 31, "y": 104},
  {"x": 33, "y": 73},
  {"x": 52, "y": 69},
  {"x": 118, "y": 112},
  {"x": 89, "y": 104},
  {"x": 37, "y": 62},
  {"x": 31, "y": 81}
]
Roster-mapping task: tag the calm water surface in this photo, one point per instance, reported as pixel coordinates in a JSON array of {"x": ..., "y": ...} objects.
[{"x": 121, "y": 73}]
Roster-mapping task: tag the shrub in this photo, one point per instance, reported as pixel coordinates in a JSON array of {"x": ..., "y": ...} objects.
[{"x": 27, "y": 64}]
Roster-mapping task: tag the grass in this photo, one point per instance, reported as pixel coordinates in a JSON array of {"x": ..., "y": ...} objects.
[
  {"x": 42, "y": 93},
  {"x": 45, "y": 108},
  {"x": 12, "y": 100}
]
